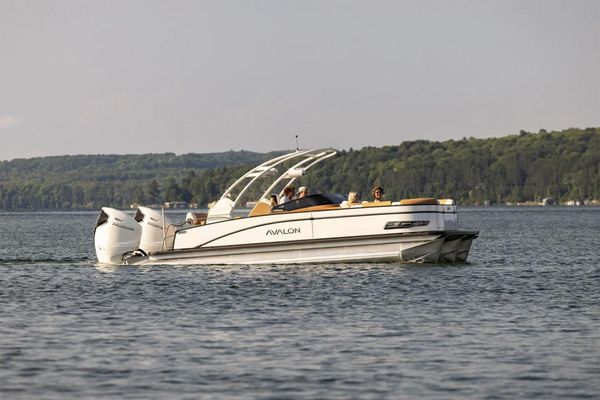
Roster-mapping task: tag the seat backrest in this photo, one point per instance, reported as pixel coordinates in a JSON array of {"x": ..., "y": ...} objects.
[
  {"x": 376, "y": 203},
  {"x": 261, "y": 208},
  {"x": 418, "y": 201}
]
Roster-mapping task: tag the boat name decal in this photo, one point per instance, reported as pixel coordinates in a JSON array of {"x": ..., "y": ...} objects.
[
  {"x": 404, "y": 224},
  {"x": 123, "y": 227},
  {"x": 288, "y": 231}
]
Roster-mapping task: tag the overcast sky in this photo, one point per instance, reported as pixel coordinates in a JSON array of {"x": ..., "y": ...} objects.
[{"x": 124, "y": 76}]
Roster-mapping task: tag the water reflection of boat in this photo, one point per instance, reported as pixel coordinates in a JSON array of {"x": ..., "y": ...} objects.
[{"x": 314, "y": 229}]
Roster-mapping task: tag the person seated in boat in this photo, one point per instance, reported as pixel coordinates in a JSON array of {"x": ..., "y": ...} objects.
[
  {"x": 273, "y": 200},
  {"x": 353, "y": 199},
  {"x": 302, "y": 192},
  {"x": 377, "y": 193},
  {"x": 288, "y": 194}
]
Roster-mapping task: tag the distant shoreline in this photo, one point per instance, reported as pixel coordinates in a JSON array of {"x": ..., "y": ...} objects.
[{"x": 523, "y": 170}]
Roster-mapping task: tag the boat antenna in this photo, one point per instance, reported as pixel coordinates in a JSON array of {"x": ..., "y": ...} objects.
[
  {"x": 163, "y": 227},
  {"x": 297, "y": 148}
]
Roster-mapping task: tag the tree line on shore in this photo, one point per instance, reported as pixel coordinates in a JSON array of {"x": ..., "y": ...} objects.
[{"x": 563, "y": 165}]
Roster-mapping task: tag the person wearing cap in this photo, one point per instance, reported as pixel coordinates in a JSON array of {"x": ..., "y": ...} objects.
[
  {"x": 302, "y": 192},
  {"x": 377, "y": 193},
  {"x": 288, "y": 194}
]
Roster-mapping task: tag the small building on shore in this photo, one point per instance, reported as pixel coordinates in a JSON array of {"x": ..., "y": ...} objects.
[
  {"x": 176, "y": 204},
  {"x": 548, "y": 201}
]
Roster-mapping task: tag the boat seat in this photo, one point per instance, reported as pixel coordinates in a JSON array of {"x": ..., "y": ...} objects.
[
  {"x": 260, "y": 208},
  {"x": 418, "y": 201},
  {"x": 446, "y": 202},
  {"x": 376, "y": 203},
  {"x": 196, "y": 218}
]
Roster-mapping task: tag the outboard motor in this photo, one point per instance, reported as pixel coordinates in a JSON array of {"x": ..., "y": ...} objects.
[
  {"x": 116, "y": 233},
  {"x": 153, "y": 234}
]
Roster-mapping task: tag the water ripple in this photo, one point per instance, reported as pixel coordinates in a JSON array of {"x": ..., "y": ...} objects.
[{"x": 521, "y": 320}]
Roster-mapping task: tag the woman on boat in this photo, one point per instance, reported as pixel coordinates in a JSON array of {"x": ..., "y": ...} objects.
[
  {"x": 353, "y": 198},
  {"x": 377, "y": 193}
]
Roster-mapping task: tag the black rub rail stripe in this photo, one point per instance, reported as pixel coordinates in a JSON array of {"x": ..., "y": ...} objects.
[
  {"x": 450, "y": 234},
  {"x": 300, "y": 242}
]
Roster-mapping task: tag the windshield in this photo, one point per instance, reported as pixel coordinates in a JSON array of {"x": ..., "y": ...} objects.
[{"x": 309, "y": 201}]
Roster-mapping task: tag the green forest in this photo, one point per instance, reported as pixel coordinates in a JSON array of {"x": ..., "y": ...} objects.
[{"x": 529, "y": 166}]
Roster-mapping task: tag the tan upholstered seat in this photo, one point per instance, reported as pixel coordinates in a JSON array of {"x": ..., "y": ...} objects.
[
  {"x": 260, "y": 208},
  {"x": 376, "y": 203},
  {"x": 418, "y": 201}
]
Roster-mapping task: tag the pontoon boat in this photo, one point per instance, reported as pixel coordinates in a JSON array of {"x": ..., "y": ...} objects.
[{"x": 319, "y": 228}]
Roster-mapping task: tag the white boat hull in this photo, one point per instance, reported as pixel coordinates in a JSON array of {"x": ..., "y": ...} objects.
[{"x": 404, "y": 248}]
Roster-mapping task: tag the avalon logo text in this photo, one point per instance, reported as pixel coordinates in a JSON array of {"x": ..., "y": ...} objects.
[{"x": 285, "y": 231}]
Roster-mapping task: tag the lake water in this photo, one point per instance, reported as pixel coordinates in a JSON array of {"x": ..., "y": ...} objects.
[{"x": 520, "y": 320}]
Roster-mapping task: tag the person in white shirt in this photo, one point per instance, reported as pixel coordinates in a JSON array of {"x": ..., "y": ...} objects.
[{"x": 288, "y": 194}]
